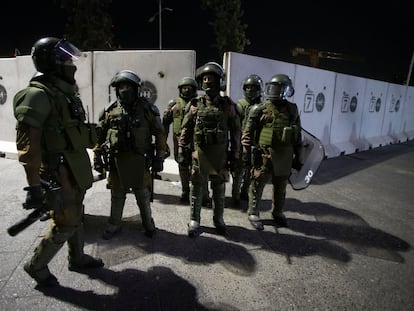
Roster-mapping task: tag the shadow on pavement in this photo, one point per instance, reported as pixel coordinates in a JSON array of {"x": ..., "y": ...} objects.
[
  {"x": 346, "y": 229},
  {"x": 132, "y": 244},
  {"x": 158, "y": 289}
]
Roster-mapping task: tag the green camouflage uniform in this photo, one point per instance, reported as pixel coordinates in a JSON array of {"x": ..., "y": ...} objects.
[
  {"x": 52, "y": 138},
  {"x": 214, "y": 126},
  {"x": 271, "y": 135},
  {"x": 129, "y": 132},
  {"x": 241, "y": 174},
  {"x": 174, "y": 114}
]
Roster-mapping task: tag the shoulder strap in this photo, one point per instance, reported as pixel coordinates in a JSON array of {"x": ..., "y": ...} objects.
[{"x": 43, "y": 87}]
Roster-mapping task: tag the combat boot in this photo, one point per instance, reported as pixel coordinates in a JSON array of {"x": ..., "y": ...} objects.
[
  {"x": 218, "y": 207},
  {"x": 43, "y": 277},
  {"x": 37, "y": 266},
  {"x": 195, "y": 211},
  {"x": 142, "y": 197},
  {"x": 220, "y": 225},
  {"x": 110, "y": 231},
  {"x": 185, "y": 197},
  {"x": 280, "y": 219},
  {"x": 85, "y": 262},
  {"x": 151, "y": 231},
  {"x": 256, "y": 222},
  {"x": 115, "y": 218},
  {"x": 77, "y": 259},
  {"x": 193, "y": 227}
]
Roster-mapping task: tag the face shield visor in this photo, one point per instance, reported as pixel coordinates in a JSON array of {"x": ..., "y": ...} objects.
[
  {"x": 64, "y": 51},
  {"x": 274, "y": 91}
]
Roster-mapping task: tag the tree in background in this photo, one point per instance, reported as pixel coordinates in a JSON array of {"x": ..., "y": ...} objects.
[
  {"x": 89, "y": 25},
  {"x": 229, "y": 31}
]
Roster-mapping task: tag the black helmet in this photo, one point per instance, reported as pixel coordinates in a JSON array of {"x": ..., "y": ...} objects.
[
  {"x": 188, "y": 94},
  {"x": 255, "y": 92},
  {"x": 279, "y": 87},
  {"x": 49, "y": 53},
  {"x": 125, "y": 76},
  {"x": 212, "y": 68}
]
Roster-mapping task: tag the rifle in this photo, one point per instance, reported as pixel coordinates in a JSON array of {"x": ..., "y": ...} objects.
[
  {"x": 102, "y": 155},
  {"x": 41, "y": 213}
]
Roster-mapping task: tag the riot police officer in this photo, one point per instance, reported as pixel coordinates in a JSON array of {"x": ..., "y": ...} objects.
[
  {"x": 252, "y": 89},
  {"x": 52, "y": 138},
  {"x": 272, "y": 137},
  {"x": 174, "y": 114},
  {"x": 127, "y": 128},
  {"x": 213, "y": 123}
]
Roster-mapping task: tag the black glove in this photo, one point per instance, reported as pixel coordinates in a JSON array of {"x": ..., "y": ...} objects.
[
  {"x": 296, "y": 164},
  {"x": 157, "y": 164},
  {"x": 98, "y": 163},
  {"x": 34, "y": 197},
  {"x": 167, "y": 152}
]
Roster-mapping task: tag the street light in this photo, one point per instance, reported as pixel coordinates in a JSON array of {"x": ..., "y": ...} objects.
[{"x": 152, "y": 18}]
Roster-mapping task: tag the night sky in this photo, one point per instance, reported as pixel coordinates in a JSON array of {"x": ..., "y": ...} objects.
[{"x": 380, "y": 35}]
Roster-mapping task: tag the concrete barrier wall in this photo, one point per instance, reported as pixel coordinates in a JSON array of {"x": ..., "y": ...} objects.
[
  {"x": 160, "y": 72},
  {"x": 347, "y": 113}
]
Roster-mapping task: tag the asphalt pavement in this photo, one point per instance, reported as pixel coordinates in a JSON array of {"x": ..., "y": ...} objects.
[{"x": 348, "y": 246}]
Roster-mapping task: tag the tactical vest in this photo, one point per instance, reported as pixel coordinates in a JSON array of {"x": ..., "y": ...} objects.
[
  {"x": 65, "y": 128},
  {"x": 279, "y": 129},
  {"x": 66, "y": 134},
  {"x": 211, "y": 126},
  {"x": 129, "y": 131},
  {"x": 178, "y": 115}
]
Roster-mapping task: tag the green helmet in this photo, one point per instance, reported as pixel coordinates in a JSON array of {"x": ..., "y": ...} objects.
[
  {"x": 215, "y": 69},
  {"x": 256, "y": 91},
  {"x": 188, "y": 94},
  {"x": 279, "y": 87}
]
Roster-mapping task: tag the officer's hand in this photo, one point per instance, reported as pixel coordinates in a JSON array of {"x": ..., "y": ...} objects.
[
  {"x": 167, "y": 152},
  {"x": 158, "y": 164},
  {"x": 34, "y": 197},
  {"x": 98, "y": 164},
  {"x": 296, "y": 164}
]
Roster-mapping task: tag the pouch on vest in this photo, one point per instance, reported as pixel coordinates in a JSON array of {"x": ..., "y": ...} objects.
[
  {"x": 112, "y": 137},
  {"x": 266, "y": 135},
  {"x": 287, "y": 135},
  {"x": 78, "y": 136}
]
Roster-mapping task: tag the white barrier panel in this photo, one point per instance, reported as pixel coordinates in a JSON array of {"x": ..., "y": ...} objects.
[
  {"x": 373, "y": 114},
  {"x": 239, "y": 66},
  {"x": 391, "y": 127},
  {"x": 25, "y": 70},
  {"x": 8, "y": 88},
  {"x": 407, "y": 125},
  {"x": 84, "y": 80},
  {"x": 159, "y": 71},
  {"x": 314, "y": 94},
  {"x": 346, "y": 116}
]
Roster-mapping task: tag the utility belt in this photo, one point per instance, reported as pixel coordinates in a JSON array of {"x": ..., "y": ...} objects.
[
  {"x": 286, "y": 135},
  {"x": 210, "y": 136}
]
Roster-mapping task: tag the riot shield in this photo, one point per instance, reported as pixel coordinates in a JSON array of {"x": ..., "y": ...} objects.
[{"x": 312, "y": 154}]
